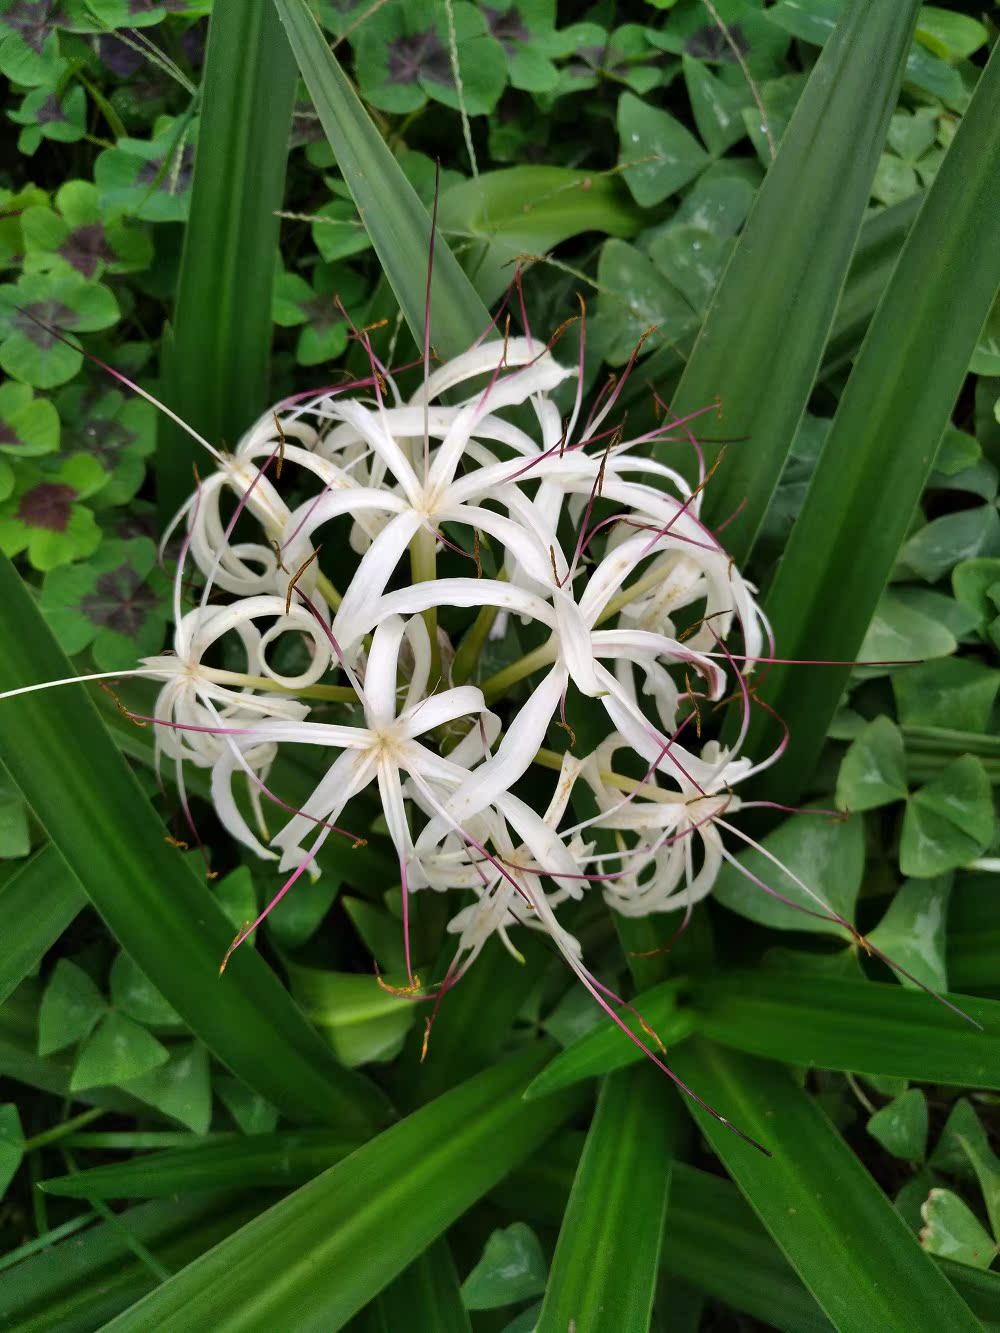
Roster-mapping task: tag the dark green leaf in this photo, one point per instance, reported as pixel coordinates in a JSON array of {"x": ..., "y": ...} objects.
[
  {"x": 604, "y": 1269},
  {"x": 901, "y": 1126},
  {"x": 38, "y": 902},
  {"x": 363, "y": 1221},
  {"x": 513, "y": 1268},
  {"x": 840, "y": 1232}
]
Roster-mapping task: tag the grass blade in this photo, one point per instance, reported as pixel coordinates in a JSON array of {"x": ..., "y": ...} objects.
[
  {"x": 864, "y": 1027},
  {"x": 763, "y": 338},
  {"x": 394, "y": 217},
  {"x": 216, "y": 359},
  {"x": 263, "y": 1161},
  {"x": 839, "y": 1231},
  {"x": 603, "y": 1275},
  {"x": 363, "y": 1221},
  {"x": 80, "y": 1283},
  {"x": 100, "y": 821},
  {"x": 38, "y": 902},
  {"x": 902, "y": 390},
  {"x": 425, "y": 1296}
]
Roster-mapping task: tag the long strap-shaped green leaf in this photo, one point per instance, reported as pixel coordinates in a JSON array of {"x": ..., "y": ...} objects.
[
  {"x": 603, "y": 1274},
  {"x": 881, "y": 447},
  {"x": 839, "y": 1231},
  {"x": 37, "y": 904},
  {"x": 218, "y": 354},
  {"x": 763, "y": 338},
  {"x": 316, "y": 1258},
  {"x": 99, "y": 819},
  {"x": 393, "y": 215},
  {"x": 862, "y": 1026}
]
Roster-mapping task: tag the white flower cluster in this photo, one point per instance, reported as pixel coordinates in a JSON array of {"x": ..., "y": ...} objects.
[{"x": 385, "y": 477}]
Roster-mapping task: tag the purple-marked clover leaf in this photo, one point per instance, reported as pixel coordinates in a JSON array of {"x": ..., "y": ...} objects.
[
  {"x": 142, "y": 13},
  {"x": 45, "y": 516},
  {"x": 295, "y": 303},
  {"x": 403, "y": 59},
  {"x": 29, "y": 426},
  {"x": 47, "y": 115},
  {"x": 690, "y": 30},
  {"x": 624, "y": 56},
  {"x": 116, "y": 603},
  {"x": 526, "y": 31},
  {"x": 12, "y": 209},
  {"x": 32, "y": 352},
  {"x": 29, "y": 42},
  {"x": 149, "y": 179},
  {"x": 75, "y": 237},
  {"x": 118, "y": 431}
]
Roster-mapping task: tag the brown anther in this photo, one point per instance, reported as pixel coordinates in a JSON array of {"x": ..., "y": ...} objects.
[
  {"x": 281, "y": 445},
  {"x": 229, "y": 952},
  {"x": 359, "y": 842},
  {"x": 296, "y": 576},
  {"x": 506, "y": 336},
  {"x": 427, "y": 1037},
  {"x": 412, "y": 989},
  {"x": 562, "y": 437},
  {"x": 175, "y": 842},
  {"x": 277, "y": 554},
  {"x": 565, "y": 726},
  {"x": 552, "y": 558},
  {"x": 650, "y": 1033},
  {"x": 136, "y": 721},
  {"x": 690, "y": 696},
  {"x": 475, "y": 553}
]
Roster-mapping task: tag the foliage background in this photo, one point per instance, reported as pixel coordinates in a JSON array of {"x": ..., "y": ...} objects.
[{"x": 622, "y": 147}]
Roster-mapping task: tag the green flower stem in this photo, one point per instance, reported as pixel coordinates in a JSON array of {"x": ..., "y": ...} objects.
[
  {"x": 335, "y": 693},
  {"x": 65, "y": 1129},
  {"x": 423, "y": 567},
  {"x": 500, "y": 683}
]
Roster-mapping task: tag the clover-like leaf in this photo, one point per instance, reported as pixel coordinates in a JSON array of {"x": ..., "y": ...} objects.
[
  {"x": 826, "y": 855},
  {"x": 873, "y": 771},
  {"x": 627, "y": 55},
  {"x": 253, "y": 1115},
  {"x": 44, "y": 514},
  {"x": 657, "y": 154},
  {"x": 525, "y": 29},
  {"x": 118, "y": 431},
  {"x": 13, "y": 206},
  {"x": 48, "y": 115},
  {"x": 717, "y": 107},
  {"x": 934, "y": 549},
  {"x": 32, "y": 314},
  {"x": 692, "y": 258},
  {"x": 913, "y": 931},
  {"x": 948, "y": 822},
  {"x": 134, "y": 994},
  {"x": 952, "y": 1231},
  {"x": 29, "y": 426},
  {"x": 901, "y": 1126},
  {"x": 634, "y": 295},
  {"x": 71, "y": 1006},
  {"x": 296, "y": 303},
  {"x": 74, "y": 237},
  {"x": 338, "y": 231},
  {"x": 116, "y": 602},
  {"x": 180, "y": 1086},
  {"x": 29, "y": 43},
  {"x": 118, "y": 1051},
  {"x": 512, "y": 1268},
  {"x": 148, "y": 179},
  {"x": 957, "y": 693},
  {"x": 403, "y": 58},
  {"x": 142, "y": 13}
]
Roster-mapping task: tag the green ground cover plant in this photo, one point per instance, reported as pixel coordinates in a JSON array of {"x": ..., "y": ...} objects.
[{"x": 376, "y": 378}]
